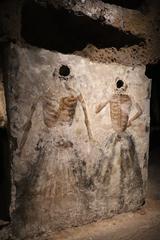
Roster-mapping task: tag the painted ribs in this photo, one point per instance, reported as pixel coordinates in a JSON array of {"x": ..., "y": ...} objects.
[
  {"x": 120, "y": 106},
  {"x": 61, "y": 112}
]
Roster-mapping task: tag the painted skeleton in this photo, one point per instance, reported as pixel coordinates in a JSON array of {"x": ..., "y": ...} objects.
[
  {"x": 57, "y": 112},
  {"x": 120, "y": 108},
  {"x": 120, "y": 150},
  {"x": 66, "y": 109}
]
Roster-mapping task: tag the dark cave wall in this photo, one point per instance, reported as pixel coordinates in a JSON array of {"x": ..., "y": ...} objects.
[
  {"x": 143, "y": 25},
  {"x": 5, "y": 183},
  {"x": 71, "y": 32},
  {"x": 153, "y": 72}
]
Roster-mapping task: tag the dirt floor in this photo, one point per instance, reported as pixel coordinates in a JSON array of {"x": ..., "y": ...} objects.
[{"x": 141, "y": 225}]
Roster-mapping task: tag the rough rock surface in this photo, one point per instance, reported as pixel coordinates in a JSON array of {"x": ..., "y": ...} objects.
[
  {"x": 3, "y": 116},
  {"x": 143, "y": 24},
  {"x": 70, "y": 167}
]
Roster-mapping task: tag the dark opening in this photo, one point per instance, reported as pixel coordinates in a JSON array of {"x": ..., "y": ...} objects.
[
  {"x": 133, "y": 4},
  {"x": 5, "y": 178},
  {"x": 63, "y": 31},
  {"x": 5, "y": 185},
  {"x": 119, "y": 83},
  {"x": 153, "y": 72},
  {"x": 64, "y": 71}
]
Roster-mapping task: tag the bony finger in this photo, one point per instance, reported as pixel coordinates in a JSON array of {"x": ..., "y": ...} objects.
[{"x": 97, "y": 109}]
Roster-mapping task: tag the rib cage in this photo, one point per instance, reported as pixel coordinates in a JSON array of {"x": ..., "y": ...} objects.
[
  {"x": 67, "y": 109},
  {"x": 120, "y": 106},
  {"x": 61, "y": 112},
  {"x": 50, "y": 113}
]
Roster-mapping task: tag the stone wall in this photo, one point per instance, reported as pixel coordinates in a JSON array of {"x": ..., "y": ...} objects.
[
  {"x": 3, "y": 115},
  {"x": 71, "y": 164}
]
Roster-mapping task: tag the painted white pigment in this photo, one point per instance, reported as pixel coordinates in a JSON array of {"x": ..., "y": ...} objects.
[{"x": 61, "y": 176}]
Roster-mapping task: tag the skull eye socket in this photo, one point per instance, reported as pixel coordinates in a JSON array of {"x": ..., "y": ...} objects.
[
  {"x": 119, "y": 83},
  {"x": 64, "y": 71}
]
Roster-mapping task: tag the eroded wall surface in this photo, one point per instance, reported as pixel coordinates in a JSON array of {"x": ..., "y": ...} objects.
[
  {"x": 3, "y": 115},
  {"x": 71, "y": 164}
]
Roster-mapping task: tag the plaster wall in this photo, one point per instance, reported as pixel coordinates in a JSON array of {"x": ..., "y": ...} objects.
[{"x": 70, "y": 166}]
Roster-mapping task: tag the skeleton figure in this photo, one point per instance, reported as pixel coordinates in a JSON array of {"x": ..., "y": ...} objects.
[
  {"x": 120, "y": 152},
  {"x": 120, "y": 108},
  {"x": 63, "y": 112},
  {"x": 57, "y": 112}
]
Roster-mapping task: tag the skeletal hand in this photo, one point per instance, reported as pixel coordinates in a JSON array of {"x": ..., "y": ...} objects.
[
  {"x": 98, "y": 108},
  {"x": 129, "y": 123}
]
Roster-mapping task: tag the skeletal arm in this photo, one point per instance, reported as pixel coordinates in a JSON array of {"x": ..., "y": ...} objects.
[
  {"x": 27, "y": 126},
  {"x": 137, "y": 115},
  {"x": 101, "y": 106},
  {"x": 87, "y": 123},
  {"x": 83, "y": 104}
]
